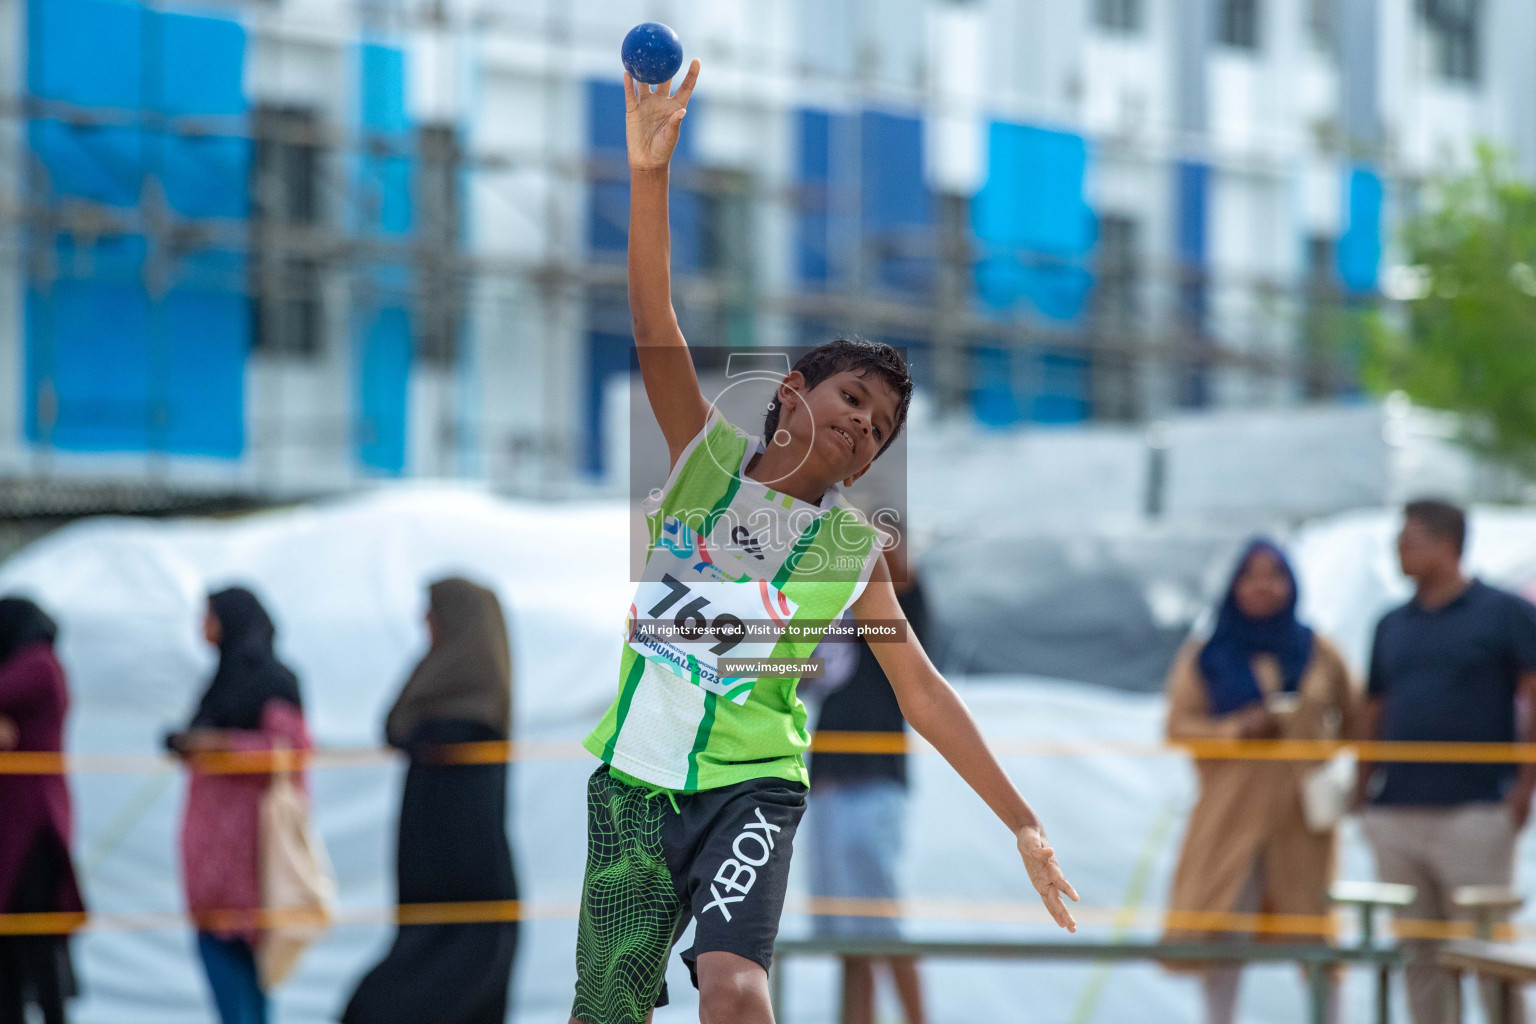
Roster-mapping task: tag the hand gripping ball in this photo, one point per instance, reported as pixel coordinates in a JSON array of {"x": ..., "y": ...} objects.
[{"x": 652, "y": 52}]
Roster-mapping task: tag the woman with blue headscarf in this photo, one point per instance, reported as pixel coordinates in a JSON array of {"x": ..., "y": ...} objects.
[{"x": 1250, "y": 848}]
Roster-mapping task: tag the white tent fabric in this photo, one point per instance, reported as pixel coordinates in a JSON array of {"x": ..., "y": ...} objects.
[
  {"x": 346, "y": 586},
  {"x": 345, "y": 583}
]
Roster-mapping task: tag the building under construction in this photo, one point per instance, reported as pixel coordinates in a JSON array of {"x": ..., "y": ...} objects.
[{"x": 265, "y": 250}]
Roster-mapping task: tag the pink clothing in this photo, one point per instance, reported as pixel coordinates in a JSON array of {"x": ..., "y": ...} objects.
[
  {"x": 34, "y": 696},
  {"x": 220, "y": 831}
]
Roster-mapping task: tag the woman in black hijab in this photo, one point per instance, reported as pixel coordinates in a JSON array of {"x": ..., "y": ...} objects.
[
  {"x": 252, "y": 703},
  {"x": 453, "y": 840},
  {"x": 249, "y": 673}
]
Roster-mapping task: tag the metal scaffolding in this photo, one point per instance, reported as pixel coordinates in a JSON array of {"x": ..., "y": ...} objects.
[{"x": 304, "y": 264}]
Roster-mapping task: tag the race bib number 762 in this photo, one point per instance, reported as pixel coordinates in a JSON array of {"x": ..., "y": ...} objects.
[{"x": 688, "y": 614}]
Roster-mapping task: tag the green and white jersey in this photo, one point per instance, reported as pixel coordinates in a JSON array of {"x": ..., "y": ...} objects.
[{"x": 757, "y": 573}]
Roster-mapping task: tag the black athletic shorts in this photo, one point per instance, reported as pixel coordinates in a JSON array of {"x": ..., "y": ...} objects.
[{"x": 655, "y": 861}]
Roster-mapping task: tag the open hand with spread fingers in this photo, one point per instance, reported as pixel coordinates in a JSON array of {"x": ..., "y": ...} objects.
[
  {"x": 653, "y": 116},
  {"x": 1045, "y": 875}
]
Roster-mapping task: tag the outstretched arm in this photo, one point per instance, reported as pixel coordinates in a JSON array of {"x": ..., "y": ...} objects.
[
  {"x": 1520, "y": 794},
  {"x": 938, "y": 714},
  {"x": 1367, "y": 728},
  {"x": 653, "y": 118}
]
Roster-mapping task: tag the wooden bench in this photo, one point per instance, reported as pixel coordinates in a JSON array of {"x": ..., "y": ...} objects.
[
  {"x": 1313, "y": 958},
  {"x": 1509, "y": 967},
  {"x": 1368, "y": 898},
  {"x": 1489, "y": 906}
]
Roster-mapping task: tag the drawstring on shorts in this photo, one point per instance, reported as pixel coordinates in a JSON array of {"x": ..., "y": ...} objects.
[{"x": 652, "y": 792}]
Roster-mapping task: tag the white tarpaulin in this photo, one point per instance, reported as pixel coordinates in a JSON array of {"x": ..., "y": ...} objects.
[{"x": 345, "y": 583}]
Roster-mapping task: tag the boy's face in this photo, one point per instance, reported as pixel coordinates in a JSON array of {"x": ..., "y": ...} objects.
[{"x": 841, "y": 424}]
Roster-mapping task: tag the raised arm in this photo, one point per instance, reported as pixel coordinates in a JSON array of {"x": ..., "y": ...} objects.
[
  {"x": 1367, "y": 729},
  {"x": 935, "y": 710},
  {"x": 1367, "y": 724},
  {"x": 653, "y": 117}
]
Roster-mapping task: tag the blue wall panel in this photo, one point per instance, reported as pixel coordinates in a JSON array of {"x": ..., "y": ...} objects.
[
  {"x": 104, "y": 164},
  {"x": 384, "y": 379},
  {"x": 605, "y": 118},
  {"x": 1035, "y": 233},
  {"x": 896, "y": 208},
  {"x": 383, "y": 329},
  {"x": 207, "y": 335},
  {"x": 992, "y": 390},
  {"x": 1192, "y": 182},
  {"x": 608, "y": 220},
  {"x": 895, "y": 192},
  {"x": 608, "y": 355},
  {"x": 1061, "y": 388},
  {"x": 608, "y": 195},
  {"x": 386, "y": 176},
  {"x": 201, "y": 70},
  {"x": 202, "y": 75},
  {"x": 87, "y": 51},
  {"x": 608, "y": 235},
  {"x": 389, "y": 181},
  {"x": 206, "y": 177},
  {"x": 1017, "y": 386},
  {"x": 1360, "y": 246},
  {"x": 1192, "y": 199},
  {"x": 96, "y": 383},
  {"x": 813, "y": 218},
  {"x": 109, "y": 368},
  {"x": 1033, "y": 196},
  {"x": 1034, "y": 228},
  {"x": 383, "y": 72}
]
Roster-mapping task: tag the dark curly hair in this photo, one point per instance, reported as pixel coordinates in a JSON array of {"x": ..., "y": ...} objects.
[{"x": 860, "y": 355}]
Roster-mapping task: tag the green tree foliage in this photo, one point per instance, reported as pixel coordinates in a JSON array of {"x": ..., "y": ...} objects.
[{"x": 1467, "y": 342}]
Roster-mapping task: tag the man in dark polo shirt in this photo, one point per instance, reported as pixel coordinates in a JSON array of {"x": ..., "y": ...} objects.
[
  {"x": 859, "y": 807},
  {"x": 1446, "y": 667}
]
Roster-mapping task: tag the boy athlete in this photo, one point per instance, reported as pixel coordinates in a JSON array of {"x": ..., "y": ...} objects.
[{"x": 692, "y": 813}]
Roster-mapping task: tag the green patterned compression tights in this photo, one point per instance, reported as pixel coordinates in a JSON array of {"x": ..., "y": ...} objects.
[{"x": 629, "y": 907}]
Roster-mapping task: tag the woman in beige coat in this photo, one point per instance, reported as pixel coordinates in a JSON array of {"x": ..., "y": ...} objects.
[{"x": 1249, "y": 850}]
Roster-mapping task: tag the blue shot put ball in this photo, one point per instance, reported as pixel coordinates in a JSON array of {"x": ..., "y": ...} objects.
[{"x": 652, "y": 52}]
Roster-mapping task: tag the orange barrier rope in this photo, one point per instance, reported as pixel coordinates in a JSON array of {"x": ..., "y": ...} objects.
[
  {"x": 497, "y": 752},
  {"x": 502, "y": 751},
  {"x": 410, "y": 913},
  {"x": 1322, "y": 926}
]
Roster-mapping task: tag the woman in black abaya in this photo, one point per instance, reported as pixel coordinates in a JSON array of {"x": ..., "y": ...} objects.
[{"x": 452, "y": 842}]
